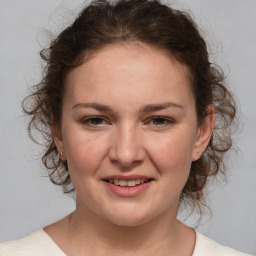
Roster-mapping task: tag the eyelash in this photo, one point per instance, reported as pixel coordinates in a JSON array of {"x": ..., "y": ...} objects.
[
  {"x": 166, "y": 120},
  {"x": 89, "y": 121}
]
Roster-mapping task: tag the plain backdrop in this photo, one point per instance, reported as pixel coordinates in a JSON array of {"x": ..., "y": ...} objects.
[{"x": 28, "y": 201}]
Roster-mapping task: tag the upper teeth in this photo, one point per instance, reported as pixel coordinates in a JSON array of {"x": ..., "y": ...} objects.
[{"x": 129, "y": 183}]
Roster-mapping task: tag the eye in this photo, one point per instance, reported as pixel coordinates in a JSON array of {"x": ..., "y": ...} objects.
[
  {"x": 94, "y": 121},
  {"x": 161, "y": 121}
]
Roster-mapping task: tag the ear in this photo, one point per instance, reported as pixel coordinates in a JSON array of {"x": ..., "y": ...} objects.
[
  {"x": 204, "y": 134},
  {"x": 58, "y": 141}
]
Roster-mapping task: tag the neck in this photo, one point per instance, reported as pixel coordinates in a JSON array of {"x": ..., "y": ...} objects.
[{"x": 94, "y": 235}]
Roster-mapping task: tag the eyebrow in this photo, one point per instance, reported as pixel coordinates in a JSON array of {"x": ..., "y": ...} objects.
[
  {"x": 145, "y": 109},
  {"x": 97, "y": 106},
  {"x": 156, "y": 107}
]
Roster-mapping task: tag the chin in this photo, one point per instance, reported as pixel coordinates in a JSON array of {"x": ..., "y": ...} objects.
[{"x": 129, "y": 217}]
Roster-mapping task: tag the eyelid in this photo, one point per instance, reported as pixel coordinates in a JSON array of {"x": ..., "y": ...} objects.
[
  {"x": 167, "y": 121},
  {"x": 85, "y": 121},
  {"x": 170, "y": 121}
]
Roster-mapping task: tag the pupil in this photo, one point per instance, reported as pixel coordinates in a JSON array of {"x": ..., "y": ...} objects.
[
  {"x": 96, "y": 121},
  {"x": 158, "y": 121}
]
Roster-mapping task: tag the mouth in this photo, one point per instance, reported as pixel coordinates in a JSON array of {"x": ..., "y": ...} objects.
[
  {"x": 127, "y": 183},
  {"x": 128, "y": 186}
]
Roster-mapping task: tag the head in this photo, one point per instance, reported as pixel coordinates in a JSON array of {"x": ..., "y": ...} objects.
[{"x": 135, "y": 30}]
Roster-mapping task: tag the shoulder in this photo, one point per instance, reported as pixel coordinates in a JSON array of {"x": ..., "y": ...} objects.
[
  {"x": 206, "y": 246},
  {"x": 38, "y": 243}
]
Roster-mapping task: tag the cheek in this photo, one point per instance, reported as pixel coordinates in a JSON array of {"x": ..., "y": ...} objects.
[
  {"x": 171, "y": 157},
  {"x": 172, "y": 154},
  {"x": 84, "y": 155}
]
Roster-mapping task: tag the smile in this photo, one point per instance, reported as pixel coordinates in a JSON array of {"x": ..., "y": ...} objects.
[
  {"x": 128, "y": 183},
  {"x": 128, "y": 186}
]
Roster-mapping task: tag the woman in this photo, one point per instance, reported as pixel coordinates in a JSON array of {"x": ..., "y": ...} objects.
[{"x": 136, "y": 119}]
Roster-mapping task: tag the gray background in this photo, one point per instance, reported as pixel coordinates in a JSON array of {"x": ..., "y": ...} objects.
[{"x": 29, "y": 201}]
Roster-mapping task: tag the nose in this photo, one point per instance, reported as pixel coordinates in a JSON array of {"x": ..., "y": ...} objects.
[{"x": 127, "y": 147}]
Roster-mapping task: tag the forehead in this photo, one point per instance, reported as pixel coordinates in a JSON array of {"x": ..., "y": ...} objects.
[{"x": 126, "y": 69}]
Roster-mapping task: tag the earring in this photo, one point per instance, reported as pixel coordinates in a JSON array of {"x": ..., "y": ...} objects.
[{"x": 61, "y": 154}]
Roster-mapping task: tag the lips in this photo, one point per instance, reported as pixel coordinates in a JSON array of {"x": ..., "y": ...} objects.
[
  {"x": 127, "y": 185},
  {"x": 130, "y": 181}
]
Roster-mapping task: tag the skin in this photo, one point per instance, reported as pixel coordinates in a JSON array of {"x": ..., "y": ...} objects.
[{"x": 128, "y": 139}]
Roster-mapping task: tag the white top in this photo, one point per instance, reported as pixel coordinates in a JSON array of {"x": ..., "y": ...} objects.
[{"x": 40, "y": 243}]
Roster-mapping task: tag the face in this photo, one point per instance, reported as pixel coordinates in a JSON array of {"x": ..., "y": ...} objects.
[{"x": 129, "y": 133}]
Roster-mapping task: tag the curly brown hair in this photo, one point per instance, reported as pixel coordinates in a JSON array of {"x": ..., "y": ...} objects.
[{"x": 102, "y": 23}]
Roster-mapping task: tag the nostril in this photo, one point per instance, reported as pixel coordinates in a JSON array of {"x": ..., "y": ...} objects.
[
  {"x": 125, "y": 165},
  {"x": 126, "y": 150}
]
